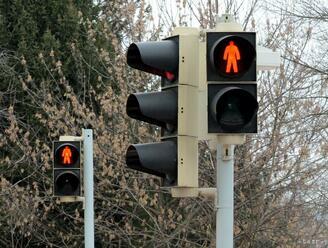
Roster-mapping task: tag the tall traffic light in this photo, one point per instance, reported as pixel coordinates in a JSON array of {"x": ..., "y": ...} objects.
[
  {"x": 231, "y": 77},
  {"x": 67, "y": 170},
  {"x": 175, "y": 157}
]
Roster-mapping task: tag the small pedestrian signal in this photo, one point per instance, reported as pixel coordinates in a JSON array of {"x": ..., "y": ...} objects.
[{"x": 66, "y": 170}]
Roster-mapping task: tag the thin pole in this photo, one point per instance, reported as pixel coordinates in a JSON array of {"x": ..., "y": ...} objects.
[
  {"x": 216, "y": 7},
  {"x": 88, "y": 188},
  {"x": 224, "y": 207}
]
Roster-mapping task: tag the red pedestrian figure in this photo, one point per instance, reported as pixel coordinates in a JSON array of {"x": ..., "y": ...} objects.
[
  {"x": 231, "y": 53},
  {"x": 67, "y": 155}
]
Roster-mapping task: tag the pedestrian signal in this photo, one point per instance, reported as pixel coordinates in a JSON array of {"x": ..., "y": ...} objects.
[
  {"x": 231, "y": 76},
  {"x": 66, "y": 170}
]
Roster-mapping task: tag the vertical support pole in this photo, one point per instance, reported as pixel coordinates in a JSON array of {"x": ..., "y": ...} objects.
[
  {"x": 88, "y": 188},
  {"x": 224, "y": 204}
]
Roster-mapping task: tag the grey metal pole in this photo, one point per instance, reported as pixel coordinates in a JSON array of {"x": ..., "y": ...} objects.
[
  {"x": 88, "y": 188},
  {"x": 224, "y": 204}
]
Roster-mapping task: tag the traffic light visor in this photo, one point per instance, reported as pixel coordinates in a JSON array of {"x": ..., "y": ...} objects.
[
  {"x": 159, "y": 159},
  {"x": 133, "y": 161},
  {"x": 157, "y": 57},
  {"x": 233, "y": 108},
  {"x": 158, "y": 108}
]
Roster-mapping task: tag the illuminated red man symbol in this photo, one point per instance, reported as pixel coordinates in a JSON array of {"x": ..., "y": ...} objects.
[
  {"x": 231, "y": 53},
  {"x": 67, "y": 155}
]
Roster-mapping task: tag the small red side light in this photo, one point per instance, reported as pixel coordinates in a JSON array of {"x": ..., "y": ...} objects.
[{"x": 169, "y": 75}]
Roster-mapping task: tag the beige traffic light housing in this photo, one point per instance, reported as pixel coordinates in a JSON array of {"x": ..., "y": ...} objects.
[
  {"x": 192, "y": 110},
  {"x": 187, "y": 136}
]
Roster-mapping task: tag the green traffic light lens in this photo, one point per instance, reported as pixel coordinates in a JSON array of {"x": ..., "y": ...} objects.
[
  {"x": 157, "y": 57},
  {"x": 67, "y": 183},
  {"x": 235, "y": 108},
  {"x": 231, "y": 113}
]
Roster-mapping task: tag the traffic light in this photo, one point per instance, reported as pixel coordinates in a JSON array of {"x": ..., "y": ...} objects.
[
  {"x": 66, "y": 170},
  {"x": 175, "y": 157},
  {"x": 231, "y": 77}
]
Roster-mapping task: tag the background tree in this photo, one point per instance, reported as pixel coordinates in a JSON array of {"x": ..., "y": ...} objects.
[{"x": 56, "y": 87}]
